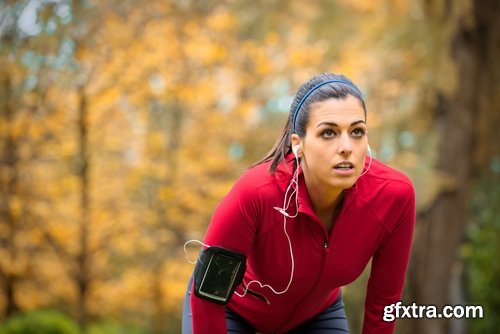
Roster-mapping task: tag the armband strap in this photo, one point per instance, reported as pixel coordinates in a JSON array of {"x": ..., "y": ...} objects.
[{"x": 217, "y": 273}]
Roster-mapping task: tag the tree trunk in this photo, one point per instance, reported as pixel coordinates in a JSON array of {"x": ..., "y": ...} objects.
[
  {"x": 82, "y": 275},
  {"x": 441, "y": 229},
  {"x": 159, "y": 315},
  {"x": 9, "y": 178}
]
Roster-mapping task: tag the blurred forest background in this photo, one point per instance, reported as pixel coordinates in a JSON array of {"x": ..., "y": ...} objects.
[{"x": 123, "y": 123}]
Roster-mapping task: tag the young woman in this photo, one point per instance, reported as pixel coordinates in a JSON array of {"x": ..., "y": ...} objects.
[{"x": 308, "y": 218}]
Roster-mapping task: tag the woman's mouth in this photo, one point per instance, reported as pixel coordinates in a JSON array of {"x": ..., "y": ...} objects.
[{"x": 344, "y": 167}]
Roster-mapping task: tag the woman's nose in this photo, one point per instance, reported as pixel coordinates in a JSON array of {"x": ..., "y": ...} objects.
[{"x": 345, "y": 145}]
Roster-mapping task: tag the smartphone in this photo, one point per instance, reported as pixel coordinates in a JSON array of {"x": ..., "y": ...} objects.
[{"x": 217, "y": 274}]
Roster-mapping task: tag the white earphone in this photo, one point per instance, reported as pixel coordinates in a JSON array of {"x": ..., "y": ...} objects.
[
  {"x": 295, "y": 150},
  {"x": 369, "y": 153}
]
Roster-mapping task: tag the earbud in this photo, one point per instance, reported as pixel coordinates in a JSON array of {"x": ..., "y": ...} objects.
[
  {"x": 369, "y": 152},
  {"x": 295, "y": 151}
]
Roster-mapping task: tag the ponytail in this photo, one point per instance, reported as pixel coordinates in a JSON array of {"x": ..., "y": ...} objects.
[{"x": 280, "y": 149}]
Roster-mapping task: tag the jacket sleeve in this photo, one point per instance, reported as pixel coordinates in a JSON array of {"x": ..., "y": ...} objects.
[
  {"x": 233, "y": 226},
  {"x": 389, "y": 264}
]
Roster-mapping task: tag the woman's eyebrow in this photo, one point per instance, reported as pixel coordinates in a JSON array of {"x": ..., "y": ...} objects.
[{"x": 336, "y": 125}]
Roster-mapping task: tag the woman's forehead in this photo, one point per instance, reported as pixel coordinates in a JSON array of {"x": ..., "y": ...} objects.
[{"x": 337, "y": 111}]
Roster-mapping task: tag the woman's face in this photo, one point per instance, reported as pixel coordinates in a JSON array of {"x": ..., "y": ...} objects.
[{"x": 334, "y": 147}]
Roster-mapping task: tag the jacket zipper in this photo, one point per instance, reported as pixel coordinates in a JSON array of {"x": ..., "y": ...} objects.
[
  {"x": 323, "y": 261},
  {"x": 313, "y": 287}
]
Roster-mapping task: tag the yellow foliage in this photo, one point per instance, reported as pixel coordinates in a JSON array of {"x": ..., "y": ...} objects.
[
  {"x": 272, "y": 38},
  {"x": 176, "y": 273},
  {"x": 221, "y": 21},
  {"x": 202, "y": 50},
  {"x": 133, "y": 287},
  {"x": 374, "y": 6},
  {"x": 166, "y": 193},
  {"x": 366, "y": 6}
]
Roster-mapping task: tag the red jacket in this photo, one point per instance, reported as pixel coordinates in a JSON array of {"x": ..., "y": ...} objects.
[{"x": 376, "y": 221}]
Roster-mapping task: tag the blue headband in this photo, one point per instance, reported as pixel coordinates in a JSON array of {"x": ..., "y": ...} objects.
[{"x": 296, "y": 112}]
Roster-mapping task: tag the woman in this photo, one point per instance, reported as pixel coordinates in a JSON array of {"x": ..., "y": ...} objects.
[{"x": 308, "y": 218}]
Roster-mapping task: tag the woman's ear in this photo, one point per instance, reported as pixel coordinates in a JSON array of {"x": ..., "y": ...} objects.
[
  {"x": 295, "y": 139},
  {"x": 296, "y": 145}
]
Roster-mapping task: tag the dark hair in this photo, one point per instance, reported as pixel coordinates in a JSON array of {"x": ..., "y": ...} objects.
[{"x": 317, "y": 89}]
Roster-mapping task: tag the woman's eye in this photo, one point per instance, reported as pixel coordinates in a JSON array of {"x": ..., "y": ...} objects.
[
  {"x": 359, "y": 132},
  {"x": 327, "y": 133}
]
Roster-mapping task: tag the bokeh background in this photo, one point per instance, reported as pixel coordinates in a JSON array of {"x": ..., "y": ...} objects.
[{"x": 123, "y": 123}]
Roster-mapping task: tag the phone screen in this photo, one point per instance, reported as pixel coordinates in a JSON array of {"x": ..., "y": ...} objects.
[{"x": 219, "y": 276}]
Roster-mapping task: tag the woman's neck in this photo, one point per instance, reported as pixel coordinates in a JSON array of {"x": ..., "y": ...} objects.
[{"x": 325, "y": 200}]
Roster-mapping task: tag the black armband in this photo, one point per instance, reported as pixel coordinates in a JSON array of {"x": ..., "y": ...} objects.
[{"x": 217, "y": 273}]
